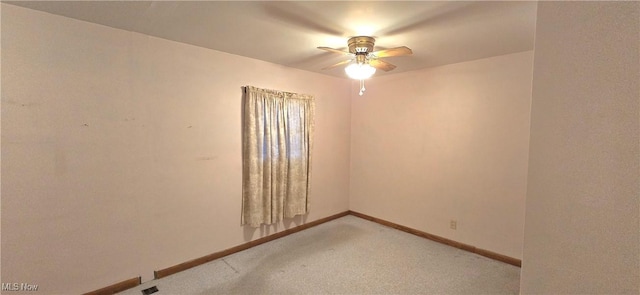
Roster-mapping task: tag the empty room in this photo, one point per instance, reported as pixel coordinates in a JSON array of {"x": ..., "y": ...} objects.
[{"x": 310, "y": 147}]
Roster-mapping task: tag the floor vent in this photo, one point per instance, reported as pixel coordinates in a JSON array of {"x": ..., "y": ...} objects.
[{"x": 151, "y": 290}]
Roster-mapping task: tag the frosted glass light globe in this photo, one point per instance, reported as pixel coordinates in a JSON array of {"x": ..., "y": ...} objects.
[{"x": 359, "y": 71}]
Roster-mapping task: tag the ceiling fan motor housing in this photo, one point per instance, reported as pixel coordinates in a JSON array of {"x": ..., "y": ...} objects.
[
  {"x": 361, "y": 44},
  {"x": 361, "y": 47}
]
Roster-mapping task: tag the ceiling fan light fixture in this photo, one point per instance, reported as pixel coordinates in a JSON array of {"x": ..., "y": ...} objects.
[
  {"x": 360, "y": 71},
  {"x": 365, "y": 61}
]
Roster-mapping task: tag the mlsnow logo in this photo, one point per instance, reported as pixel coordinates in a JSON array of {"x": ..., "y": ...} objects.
[{"x": 19, "y": 287}]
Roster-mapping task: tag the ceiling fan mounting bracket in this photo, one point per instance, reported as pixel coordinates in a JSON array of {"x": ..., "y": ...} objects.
[{"x": 361, "y": 44}]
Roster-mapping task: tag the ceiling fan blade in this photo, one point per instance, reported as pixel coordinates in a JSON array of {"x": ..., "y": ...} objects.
[
  {"x": 338, "y": 64},
  {"x": 381, "y": 65},
  {"x": 436, "y": 13},
  {"x": 334, "y": 50},
  {"x": 301, "y": 17},
  {"x": 398, "y": 51}
]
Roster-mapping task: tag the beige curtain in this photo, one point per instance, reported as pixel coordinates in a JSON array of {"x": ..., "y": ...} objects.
[{"x": 277, "y": 143}]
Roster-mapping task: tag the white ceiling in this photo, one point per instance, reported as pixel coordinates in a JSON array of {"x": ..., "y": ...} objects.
[{"x": 287, "y": 33}]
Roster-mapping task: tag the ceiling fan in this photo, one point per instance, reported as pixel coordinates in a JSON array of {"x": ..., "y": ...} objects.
[{"x": 365, "y": 61}]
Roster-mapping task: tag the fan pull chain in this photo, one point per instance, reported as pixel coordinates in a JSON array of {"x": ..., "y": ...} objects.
[{"x": 362, "y": 89}]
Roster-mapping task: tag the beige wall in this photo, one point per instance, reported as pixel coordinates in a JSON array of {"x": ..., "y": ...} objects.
[
  {"x": 582, "y": 227},
  {"x": 447, "y": 143},
  {"x": 121, "y": 152}
]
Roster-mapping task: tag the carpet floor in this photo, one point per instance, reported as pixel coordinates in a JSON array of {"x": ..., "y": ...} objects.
[{"x": 348, "y": 255}]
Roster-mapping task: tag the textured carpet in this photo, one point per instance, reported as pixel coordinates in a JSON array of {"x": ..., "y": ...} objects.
[{"x": 348, "y": 255}]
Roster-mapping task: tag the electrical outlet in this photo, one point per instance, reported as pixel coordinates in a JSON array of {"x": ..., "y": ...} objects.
[{"x": 453, "y": 224}]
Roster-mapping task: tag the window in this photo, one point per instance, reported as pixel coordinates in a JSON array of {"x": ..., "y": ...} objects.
[{"x": 276, "y": 158}]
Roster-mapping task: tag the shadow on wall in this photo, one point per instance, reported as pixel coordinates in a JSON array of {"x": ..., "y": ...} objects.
[{"x": 265, "y": 230}]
